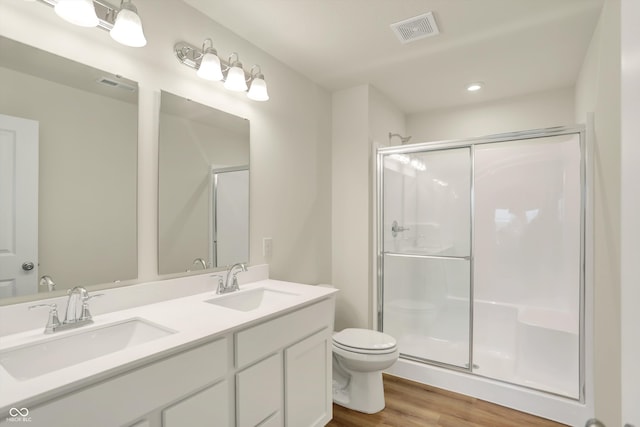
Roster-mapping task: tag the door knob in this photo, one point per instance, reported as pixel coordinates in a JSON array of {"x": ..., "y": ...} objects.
[{"x": 27, "y": 266}]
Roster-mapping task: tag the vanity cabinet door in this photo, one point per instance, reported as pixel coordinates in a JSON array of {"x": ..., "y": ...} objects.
[
  {"x": 209, "y": 407},
  {"x": 308, "y": 394},
  {"x": 259, "y": 393}
]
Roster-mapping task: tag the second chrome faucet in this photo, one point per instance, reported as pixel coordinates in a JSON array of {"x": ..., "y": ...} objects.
[{"x": 223, "y": 285}]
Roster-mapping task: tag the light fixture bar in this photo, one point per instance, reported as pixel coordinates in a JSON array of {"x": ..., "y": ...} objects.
[{"x": 191, "y": 56}]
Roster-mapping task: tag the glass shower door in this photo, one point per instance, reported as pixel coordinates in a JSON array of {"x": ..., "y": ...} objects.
[{"x": 426, "y": 241}]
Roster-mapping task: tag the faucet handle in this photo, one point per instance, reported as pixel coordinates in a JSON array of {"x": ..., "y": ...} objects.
[
  {"x": 53, "y": 322},
  {"x": 234, "y": 282},
  {"x": 85, "y": 314},
  {"x": 220, "y": 282},
  {"x": 52, "y": 306},
  {"x": 88, "y": 296}
]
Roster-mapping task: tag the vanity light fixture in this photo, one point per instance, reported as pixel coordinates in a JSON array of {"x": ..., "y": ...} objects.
[
  {"x": 235, "y": 80},
  {"x": 77, "y": 12},
  {"x": 127, "y": 28},
  {"x": 123, "y": 23},
  {"x": 209, "y": 66},
  {"x": 257, "y": 85}
]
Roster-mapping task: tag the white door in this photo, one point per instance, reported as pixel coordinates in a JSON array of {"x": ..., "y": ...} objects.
[
  {"x": 18, "y": 206},
  {"x": 230, "y": 217}
]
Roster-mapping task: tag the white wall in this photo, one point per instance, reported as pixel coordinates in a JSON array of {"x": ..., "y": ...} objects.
[
  {"x": 384, "y": 117},
  {"x": 362, "y": 120},
  {"x": 598, "y": 91},
  {"x": 350, "y": 207},
  {"x": 630, "y": 211},
  {"x": 537, "y": 110},
  {"x": 290, "y": 134},
  {"x": 86, "y": 227}
]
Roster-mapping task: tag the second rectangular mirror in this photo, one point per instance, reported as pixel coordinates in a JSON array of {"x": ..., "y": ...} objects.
[{"x": 203, "y": 200}]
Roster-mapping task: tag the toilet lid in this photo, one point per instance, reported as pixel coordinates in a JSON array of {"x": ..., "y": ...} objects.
[{"x": 364, "y": 339}]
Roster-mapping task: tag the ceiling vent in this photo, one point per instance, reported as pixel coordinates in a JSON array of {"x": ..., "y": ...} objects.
[
  {"x": 113, "y": 83},
  {"x": 416, "y": 28}
]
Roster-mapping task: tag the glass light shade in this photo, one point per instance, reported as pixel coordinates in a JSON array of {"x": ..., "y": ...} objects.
[
  {"x": 77, "y": 12},
  {"x": 258, "y": 90},
  {"x": 127, "y": 29},
  {"x": 235, "y": 79},
  {"x": 210, "y": 67}
]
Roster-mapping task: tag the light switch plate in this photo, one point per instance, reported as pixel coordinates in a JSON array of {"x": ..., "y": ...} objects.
[{"x": 267, "y": 247}]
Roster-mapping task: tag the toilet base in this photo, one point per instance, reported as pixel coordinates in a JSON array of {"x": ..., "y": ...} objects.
[{"x": 364, "y": 392}]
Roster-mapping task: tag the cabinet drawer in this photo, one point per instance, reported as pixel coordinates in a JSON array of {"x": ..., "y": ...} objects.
[
  {"x": 209, "y": 407},
  {"x": 259, "y": 393},
  {"x": 254, "y": 343},
  {"x": 135, "y": 393}
]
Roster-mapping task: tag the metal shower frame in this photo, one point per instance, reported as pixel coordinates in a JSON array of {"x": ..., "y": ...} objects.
[{"x": 470, "y": 143}]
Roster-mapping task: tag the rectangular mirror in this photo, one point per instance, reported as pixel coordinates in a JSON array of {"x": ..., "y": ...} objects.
[
  {"x": 68, "y": 173},
  {"x": 203, "y": 200}
]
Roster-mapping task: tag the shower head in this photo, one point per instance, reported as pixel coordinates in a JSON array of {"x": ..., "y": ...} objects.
[{"x": 403, "y": 139}]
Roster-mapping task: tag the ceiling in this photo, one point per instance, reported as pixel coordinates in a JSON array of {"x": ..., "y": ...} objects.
[{"x": 513, "y": 46}]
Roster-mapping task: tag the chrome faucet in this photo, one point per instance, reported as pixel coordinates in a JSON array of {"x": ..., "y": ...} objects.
[
  {"x": 76, "y": 314},
  {"x": 76, "y": 302},
  {"x": 48, "y": 282},
  {"x": 225, "y": 287},
  {"x": 201, "y": 262}
]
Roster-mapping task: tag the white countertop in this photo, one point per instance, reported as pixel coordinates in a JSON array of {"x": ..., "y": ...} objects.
[{"x": 194, "y": 321}]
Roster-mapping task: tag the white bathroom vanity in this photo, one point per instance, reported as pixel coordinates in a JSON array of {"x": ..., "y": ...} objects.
[{"x": 260, "y": 356}]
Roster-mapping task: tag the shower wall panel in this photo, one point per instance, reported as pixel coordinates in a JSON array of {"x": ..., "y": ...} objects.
[{"x": 527, "y": 242}]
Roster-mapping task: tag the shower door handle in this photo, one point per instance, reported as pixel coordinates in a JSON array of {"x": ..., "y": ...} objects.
[{"x": 395, "y": 228}]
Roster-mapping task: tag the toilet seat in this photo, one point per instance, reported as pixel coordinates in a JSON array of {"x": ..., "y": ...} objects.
[{"x": 364, "y": 341}]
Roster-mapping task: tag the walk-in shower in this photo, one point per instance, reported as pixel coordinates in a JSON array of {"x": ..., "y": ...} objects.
[{"x": 480, "y": 258}]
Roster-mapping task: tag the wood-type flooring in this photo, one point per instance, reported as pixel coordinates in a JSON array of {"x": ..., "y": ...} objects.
[{"x": 411, "y": 404}]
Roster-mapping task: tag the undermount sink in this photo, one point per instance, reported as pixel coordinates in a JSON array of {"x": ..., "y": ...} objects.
[
  {"x": 252, "y": 299},
  {"x": 50, "y": 354}
]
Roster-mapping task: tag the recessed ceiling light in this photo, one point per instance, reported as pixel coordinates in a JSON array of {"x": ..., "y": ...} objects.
[{"x": 474, "y": 87}]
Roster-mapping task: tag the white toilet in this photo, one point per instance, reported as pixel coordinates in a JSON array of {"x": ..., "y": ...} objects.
[{"x": 359, "y": 357}]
